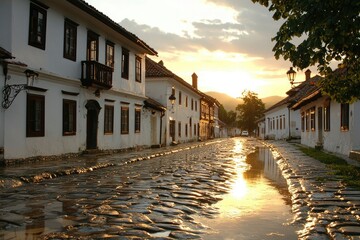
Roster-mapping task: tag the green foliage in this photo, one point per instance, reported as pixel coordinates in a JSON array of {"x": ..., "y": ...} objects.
[
  {"x": 322, "y": 156},
  {"x": 250, "y": 111},
  {"x": 316, "y": 33},
  {"x": 227, "y": 117},
  {"x": 348, "y": 173}
]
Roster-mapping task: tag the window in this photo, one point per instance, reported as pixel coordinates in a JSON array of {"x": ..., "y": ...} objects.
[
  {"x": 192, "y": 104},
  {"x": 172, "y": 129},
  {"x": 69, "y": 117},
  {"x": 92, "y": 46},
  {"x": 277, "y": 123},
  {"x": 180, "y": 95},
  {"x": 281, "y": 125},
  {"x": 344, "y": 117},
  {"x": 307, "y": 120},
  {"x": 37, "y": 25},
  {"x": 196, "y": 106},
  {"x": 284, "y": 125},
  {"x": 186, "y": 130},
  {"x": 137, "y": 120},
  {"x": 194, "y": 129},
  {"x": 124, "y": 120},
  {"x": 35, "y": 116},
  {"x": 327, "y": 118},
  {"x": 70, "y": 36},
  {"x": 109, "y": 54},
  {"x": 186, "y": 101},
  {"x": 312, "y": 119},
  {"x": 138, "y": 69},
  {"x": 109, "y": 119},
  {"x": 179, "y": 129},
  {"x": 125, "y": 63}
]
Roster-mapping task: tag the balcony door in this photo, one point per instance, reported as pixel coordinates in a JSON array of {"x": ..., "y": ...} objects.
[
  {"x": 93, "y": 109},
  {"x": 92, "y": 53}
]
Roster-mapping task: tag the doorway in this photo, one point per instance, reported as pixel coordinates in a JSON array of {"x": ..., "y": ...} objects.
[{"x": 93, "y": 109}]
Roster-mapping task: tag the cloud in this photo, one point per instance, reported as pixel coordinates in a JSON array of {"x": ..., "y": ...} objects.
[{"x": 209, "y": 34}]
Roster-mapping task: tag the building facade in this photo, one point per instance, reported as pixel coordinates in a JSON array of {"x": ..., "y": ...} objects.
[
  {"x": 182, "y": 100},
  {"x": 77, "y": 81},
  {"x": 329, "y": 125}
]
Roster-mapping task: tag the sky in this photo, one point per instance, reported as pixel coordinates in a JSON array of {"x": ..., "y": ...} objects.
[{"x": 227, "y": 43}]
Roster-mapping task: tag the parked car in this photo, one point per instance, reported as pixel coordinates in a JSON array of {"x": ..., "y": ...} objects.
[{"x": 245, "y": 133}]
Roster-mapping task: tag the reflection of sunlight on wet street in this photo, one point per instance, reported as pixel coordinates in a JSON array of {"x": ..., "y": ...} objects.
[
  {"x": 253, "y": 208},
  {"x": 239, "y": 187}
]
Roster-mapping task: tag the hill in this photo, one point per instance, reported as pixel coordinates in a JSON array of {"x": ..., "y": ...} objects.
[{"x": 230, "y": 103}]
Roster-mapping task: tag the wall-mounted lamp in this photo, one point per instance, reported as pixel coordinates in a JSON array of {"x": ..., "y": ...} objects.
[
  {"x": 291, "y": 74},
  {"x": 11, "y": 91},
  {"x": 172, "y": 97}
]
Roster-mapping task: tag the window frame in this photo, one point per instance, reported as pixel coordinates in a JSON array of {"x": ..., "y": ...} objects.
[
  {"x": 36, "y": 31},
  {"x": 125, "y": 58},
  {"x": 327, "y": 118},
  {"x": 137, "y": 121},
  {"x": 70, "y": 39},
  {"x": 109, "y": 54},
  {"x": 138, "y": 69},
  {"x": 67, "y": 117},
  {"x": 179, "y": 129},
  {"x": 124, "y": 120},
  {"x": 30, "y": 116},
  {"x": 108, "y": 119},
  {"x": 313, "y": 119},
  {"x": 92, "y": 36},
  {"x": 344, "y": 116}
]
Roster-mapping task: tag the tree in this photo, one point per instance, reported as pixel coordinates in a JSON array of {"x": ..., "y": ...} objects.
[
  {"x": 319, "y": 33},
  {"x": 227, "y": 117},
  {"x": 250, "y": 111}
]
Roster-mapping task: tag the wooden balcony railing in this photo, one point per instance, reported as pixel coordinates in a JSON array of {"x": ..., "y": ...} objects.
[{"x": 96, "y": 74}]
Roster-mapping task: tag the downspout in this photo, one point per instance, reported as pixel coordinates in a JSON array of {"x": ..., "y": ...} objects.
[
  {"x": 289, "y": 124},
  {"x": 162, "y": 114}
]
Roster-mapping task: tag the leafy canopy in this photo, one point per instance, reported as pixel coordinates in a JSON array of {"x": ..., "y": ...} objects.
[
  {"x": 250, "y": 111},
  {"x": 318, "y": 32}
]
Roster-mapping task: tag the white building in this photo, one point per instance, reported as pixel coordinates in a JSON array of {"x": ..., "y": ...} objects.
[
  {"x": 328, "y": 124},
  {"x": 182, "y": 100},
  {"x": 83, "y": 81},
  {"x": 283, "y": 122}
]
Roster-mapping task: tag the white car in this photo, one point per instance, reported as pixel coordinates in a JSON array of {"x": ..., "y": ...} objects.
[{"x": 245, "y": 133}]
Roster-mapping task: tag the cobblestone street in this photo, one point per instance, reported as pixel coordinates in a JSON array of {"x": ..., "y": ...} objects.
[{"x": 180, "y": 193}]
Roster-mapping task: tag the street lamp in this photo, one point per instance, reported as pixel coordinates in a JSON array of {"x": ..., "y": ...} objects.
[
  {"x": 291, "y": 74},
  {"x": 172, "y": 97}
]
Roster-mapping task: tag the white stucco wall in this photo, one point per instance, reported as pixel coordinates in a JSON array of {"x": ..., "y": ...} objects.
[
  {"x": 335, "y": 140},
  {"x": 56, "y": 74},
  {"x": 160, "y": 90}
]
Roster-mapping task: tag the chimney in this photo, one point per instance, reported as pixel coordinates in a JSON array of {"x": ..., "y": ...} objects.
[
  {"x": 307, "y": 74},
  {"x": 161, "y": 63},
  {"x": 194, "y": 80}
]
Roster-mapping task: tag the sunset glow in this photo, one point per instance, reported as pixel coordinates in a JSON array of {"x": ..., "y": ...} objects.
[{"x": 228, "y": 44}]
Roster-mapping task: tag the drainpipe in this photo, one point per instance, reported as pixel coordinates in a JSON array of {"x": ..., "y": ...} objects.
[
  {"x": 162, "y": 114},
  {"x": 289, "y": 124}
]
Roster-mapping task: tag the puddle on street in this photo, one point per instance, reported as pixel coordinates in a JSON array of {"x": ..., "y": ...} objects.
[{"x": 258, "y": 204}]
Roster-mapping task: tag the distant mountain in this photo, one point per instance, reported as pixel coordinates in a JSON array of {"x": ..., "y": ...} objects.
[{"x": 230, "y": 103}]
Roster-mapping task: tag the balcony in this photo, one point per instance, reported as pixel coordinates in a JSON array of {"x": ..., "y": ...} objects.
[{"x": 96, "y": 75}]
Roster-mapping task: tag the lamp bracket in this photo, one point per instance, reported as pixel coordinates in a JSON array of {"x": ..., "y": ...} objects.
[{"x": 10, "y": 92}]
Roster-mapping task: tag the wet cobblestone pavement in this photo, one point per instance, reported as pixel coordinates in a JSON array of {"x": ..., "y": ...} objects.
[
  {"x": 327, "y": 208},
  {"x": 121, "y": 197},
  {"x": 128, "y": 199}
]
